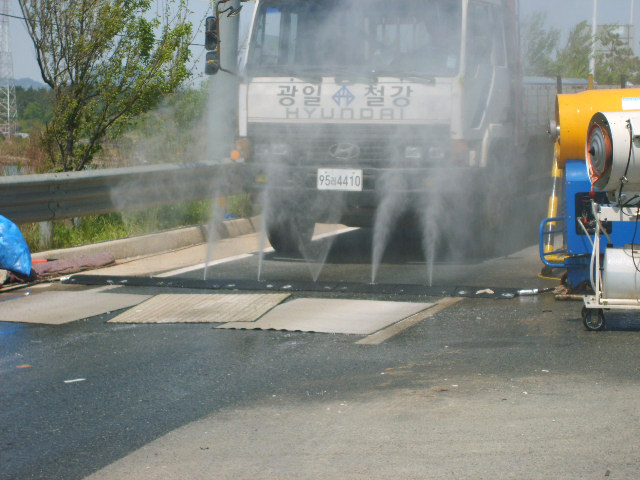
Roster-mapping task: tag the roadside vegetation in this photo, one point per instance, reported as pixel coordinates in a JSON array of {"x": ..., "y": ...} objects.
[
  {"x": 111, "y": 226},
  {"x": 171, "y": 132},
  {"x": 116, "y": 93}
]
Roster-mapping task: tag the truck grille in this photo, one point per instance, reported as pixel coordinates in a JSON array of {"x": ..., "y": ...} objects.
[{"x": 376, "y": 146}]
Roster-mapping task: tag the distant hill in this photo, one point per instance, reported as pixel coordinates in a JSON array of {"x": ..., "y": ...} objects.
[{"x": 29, "y": 83}]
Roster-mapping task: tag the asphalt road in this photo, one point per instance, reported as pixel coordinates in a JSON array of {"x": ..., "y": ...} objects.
[{"x": 483, "y": 389}]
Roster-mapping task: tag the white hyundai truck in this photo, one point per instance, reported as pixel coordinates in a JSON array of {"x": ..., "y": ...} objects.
[{"x": 346, "y": 103}]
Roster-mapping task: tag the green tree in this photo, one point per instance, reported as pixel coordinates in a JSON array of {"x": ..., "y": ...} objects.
[
  {"x": 539, "y": 45},
  {"x": 35, "y": 107},
  {"x": 573, "y": 59},
  {"x": 614, "y": 58},
  {"x": 104, "y": 65},
  {"x": 173, "y": 130}
]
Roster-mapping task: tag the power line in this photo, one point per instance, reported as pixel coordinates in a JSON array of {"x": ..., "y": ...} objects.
[{"x": 11, "y": 16}]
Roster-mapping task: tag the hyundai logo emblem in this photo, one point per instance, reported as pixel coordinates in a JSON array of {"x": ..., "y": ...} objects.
[{"x": 344, "y": 151}]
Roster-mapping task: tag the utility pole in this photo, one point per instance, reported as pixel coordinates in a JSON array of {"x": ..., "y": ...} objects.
[
  {"x": 592, "y": 60},
  {"x": 223, "y": 106},
  {"x": 7, "y": 88},
  {"x": 632, "y": 26}
]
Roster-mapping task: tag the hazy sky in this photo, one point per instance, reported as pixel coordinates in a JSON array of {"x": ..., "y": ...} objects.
[{"x": 560, "y": 13}]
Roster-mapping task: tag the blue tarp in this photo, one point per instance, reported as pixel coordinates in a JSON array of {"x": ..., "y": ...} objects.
[{"x": 14, "y": 252}]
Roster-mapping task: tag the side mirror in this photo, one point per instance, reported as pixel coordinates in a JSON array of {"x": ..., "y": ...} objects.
[
  {"x": 211, "y": 34},
  {"x": 212, "y": 44},
  {"x": 212, "y": 64}
]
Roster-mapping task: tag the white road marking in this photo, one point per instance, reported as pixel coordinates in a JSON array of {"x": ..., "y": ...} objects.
[
  {"x": 75, "y": 380},
  {"x": 333, "y": 233},
  {"x": 393, "y": 330},
  {"x": 200, "y": 266}
]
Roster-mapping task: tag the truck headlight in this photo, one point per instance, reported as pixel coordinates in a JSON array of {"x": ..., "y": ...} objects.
[
  {"x": 272, "y": 150},
  {"x": 280, "y": 150},
  {"x": 261, "y": 150},
  {"x": 436, "y": 153},
  {"x": 412, "y": 152}
]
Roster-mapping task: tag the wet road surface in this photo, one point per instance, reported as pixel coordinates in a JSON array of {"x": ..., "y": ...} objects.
[{"x": 483, "y": 389}]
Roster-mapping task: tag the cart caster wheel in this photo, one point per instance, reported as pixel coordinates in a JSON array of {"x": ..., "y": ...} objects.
[{"x": 593, "y": 319}]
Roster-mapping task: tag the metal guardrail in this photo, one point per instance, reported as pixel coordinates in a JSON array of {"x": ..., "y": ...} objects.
[{"x": 55, "y": 196}]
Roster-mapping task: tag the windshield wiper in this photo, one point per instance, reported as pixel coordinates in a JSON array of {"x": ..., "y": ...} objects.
[
  {"x": 304, "y": 74},
  {"x": 410, "y": 76},
  {"x": 350, "y": 75},
  {"x": 300, "y": 73}
]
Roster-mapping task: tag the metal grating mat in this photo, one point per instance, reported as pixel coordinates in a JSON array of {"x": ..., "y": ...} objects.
[
  {"x": 198, "y": 308},
  {"x": 358, "y": 317},
  {"x": 58, "y": 307}
]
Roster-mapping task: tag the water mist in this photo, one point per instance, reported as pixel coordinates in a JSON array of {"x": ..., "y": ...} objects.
[{"x": 391, "y": 205}]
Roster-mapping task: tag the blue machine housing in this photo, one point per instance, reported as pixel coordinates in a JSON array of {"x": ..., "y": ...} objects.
[{"x": 577, "y": 247}]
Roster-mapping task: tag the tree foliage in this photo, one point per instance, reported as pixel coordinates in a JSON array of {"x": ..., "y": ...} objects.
[
  {"x": 615, "y": 59},
  {"x": 173, "y": 130},
  {"x": 573, "y": 59},
  {"x": 543, "y": 55},
  {"x": 35, "y": 107},
  {"x": 106, "y": 61},
  {"x": 539, "y": 45}
]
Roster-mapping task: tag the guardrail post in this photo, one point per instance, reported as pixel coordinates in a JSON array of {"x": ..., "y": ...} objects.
[{"x": 46, "y": 235}]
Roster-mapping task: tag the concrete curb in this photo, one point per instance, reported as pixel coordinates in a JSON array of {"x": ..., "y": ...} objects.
[{"x": 155, "y": 242}]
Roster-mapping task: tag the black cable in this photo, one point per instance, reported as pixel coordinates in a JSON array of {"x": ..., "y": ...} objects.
[
  {"x": 629, "y": 204},
  {"x": 633, "y": 241},
  {"x": 626, "y": 170},
  {"x": 11, "y": 16}
]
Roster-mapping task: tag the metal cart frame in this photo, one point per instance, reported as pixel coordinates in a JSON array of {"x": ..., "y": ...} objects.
[{"x": 593, "y": 315}]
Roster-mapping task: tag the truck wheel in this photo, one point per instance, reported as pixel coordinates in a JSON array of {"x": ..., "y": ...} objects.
[
  {"x": 485, "y": 226},
  {"x": 290, "y": 236}
]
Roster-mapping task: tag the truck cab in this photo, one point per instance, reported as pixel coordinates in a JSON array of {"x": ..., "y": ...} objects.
[{"x": 345, "y": 103}]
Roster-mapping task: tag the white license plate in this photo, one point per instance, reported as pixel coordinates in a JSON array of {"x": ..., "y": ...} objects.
[{"x": 339, "y": 179}]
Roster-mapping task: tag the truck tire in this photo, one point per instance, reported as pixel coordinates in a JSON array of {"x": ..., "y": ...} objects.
[{"x": 289, "y": 236}]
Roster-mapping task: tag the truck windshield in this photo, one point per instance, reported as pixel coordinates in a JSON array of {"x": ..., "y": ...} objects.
[{"x": 411, "y": 37}]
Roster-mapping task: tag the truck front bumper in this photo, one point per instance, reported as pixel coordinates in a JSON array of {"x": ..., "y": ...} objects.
[{"x": 413, "y": 187}]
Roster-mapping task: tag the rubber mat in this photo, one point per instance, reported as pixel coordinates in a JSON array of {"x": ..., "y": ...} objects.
[
  {"x": 297, "y": 286},
  {"x": 198, "y": 308},
  {"x": 358, "y": 317}
]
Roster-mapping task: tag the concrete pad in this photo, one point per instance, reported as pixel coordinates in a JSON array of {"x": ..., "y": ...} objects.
[
  {"x": 149, "y": 262},
  {"x": 57, "y": 307},
  {"x": 202, "y": 308},
  {"x": 358, "y": 317}
]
